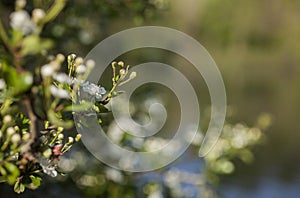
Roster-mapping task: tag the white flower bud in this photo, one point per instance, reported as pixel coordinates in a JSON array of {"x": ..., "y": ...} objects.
[
  {"x": 28, "y": 80},
  {"x": 10, "y": 131},
  {"x": 122, "y": 72},
  {"x": 132, "y": 75},
  {"x": 2, "y": 84},
  {"x": 121, "y": 63},
  {"x": 90, "y": 64},
  {"x": 62, "y": 77},
  {"x": 38, "y": 14},
  {"x": 59, "y": 93},
  {"x": 20, "y": 20},
  {"x": 81, "y": 69},
  {"x": 7, "y": 119},
  {"x": 15, "y": 138},
  {"x": 60, "y": 58},
  {"x": 70, "y": 140},
  {"x": 78, "y": 137},
  {"x": 20, "y": 4},
  {"x": 78, "y": 61},
  {"x": 60, "y": 136},
  {"x": 55, "y": 65},
  {"x": 47, "y": 70},
  {"x": 26, "y": 136},
  {"x": 62, "y": 93}
]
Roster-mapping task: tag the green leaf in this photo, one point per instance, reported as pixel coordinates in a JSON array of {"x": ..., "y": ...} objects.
[
  {"x": 33, "y": 44},
  {"x": 13, "y": 172},
  {"x": 18, "y": 83},
  {"x": 36, "y": 180},
  {"x": 19, "y": 187}
]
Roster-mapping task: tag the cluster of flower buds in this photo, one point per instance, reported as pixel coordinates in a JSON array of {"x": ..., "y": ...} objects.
[{"x": 20, "y": 19}]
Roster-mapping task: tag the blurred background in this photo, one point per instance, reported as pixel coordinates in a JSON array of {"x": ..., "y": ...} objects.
[{"x": 256, "y": 45}]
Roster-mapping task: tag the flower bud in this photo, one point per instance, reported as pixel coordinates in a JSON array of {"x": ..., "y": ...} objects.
[
  {"x": 10, "y": 131},
  {"x": 78, "y": 137},
  {"x": 81, "y": 69},
  {"x": 78, "y": 61},
  {"x": 132, "y": 75},
  {"x": 20, "y": 4},
  {"x": 71, "y": 57},
  {"x": 122, "y": 72},
  {"x": 15, "y": 138},
  {"x": 37, "y": 15},
  {"x": 2, "y": 84},
  {"x": 70, "y": 140},
  {"x": 7, "y": 119},
  {"x": 90, "y": 64},
  {"x": 26, "y": 136},
  {"x": 47, "y": 70},
  {"x": 60, "y": 136},
  {"x": 60, "y": 58},
  {"x": 121, "y": 63}
]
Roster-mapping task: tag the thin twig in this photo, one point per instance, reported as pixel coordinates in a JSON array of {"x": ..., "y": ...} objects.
[{"x": 33, "y": 125}]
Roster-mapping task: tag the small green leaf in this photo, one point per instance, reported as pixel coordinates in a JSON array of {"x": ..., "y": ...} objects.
[
  {"x": 19, "y": 187},
  {"x": 36, "y": 180},
  {"x": 33, "y": 44},
  {"x": 62, "y": 123}
]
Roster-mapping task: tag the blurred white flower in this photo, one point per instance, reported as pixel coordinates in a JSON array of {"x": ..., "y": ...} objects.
[
  {"x": 38, "y": 14},
  {"x": 81, "y": 69},
  {"x": 90, "y": 64},
  {"x": 156, "y": 194},
  {"x": 20, "y": 20},
  {"x": 15, "y": 138},
  {"x": 114, "y": 175},
  {"x": 62, "y": 78},
  {"x": 10, "y": 131},
  {"x": 70, "y": 140},
  {"x": 93, "y": 90},
  {"x": 49, "y": 170},
  {"x": 47, "y": 70},
  {"x": 58, "y": 92},
  {"x": 7, "y": 119},
  {"x": 2, "y": 84}
]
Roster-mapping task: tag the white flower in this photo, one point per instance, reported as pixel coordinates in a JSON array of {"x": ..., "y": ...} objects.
[
  {"x": 47, "y": 70},
  {"x": 114, "y": 175},
  {"x": 49, "y": 170},
  {"x": 58, "y": 92},
  {"x": 81, "y": 69},
  {"x": 20, "y": 20},
  {"x": 93, "y": 90},
  {"x": 62, "y": 78}
]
